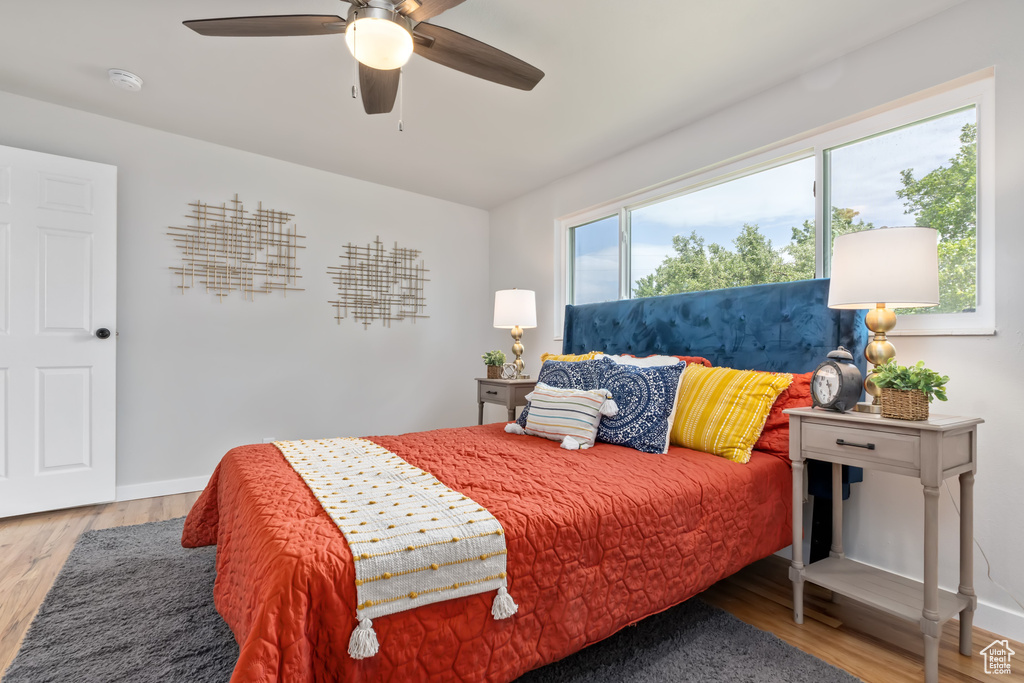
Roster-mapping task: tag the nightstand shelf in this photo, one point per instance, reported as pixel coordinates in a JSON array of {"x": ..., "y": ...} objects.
[
  {"x": 897, "y": 595},
  {"x": 930, "y": 451}
]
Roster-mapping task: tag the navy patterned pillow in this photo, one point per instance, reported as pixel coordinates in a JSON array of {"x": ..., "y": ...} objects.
[
  {"x": 647, "y": 400},
  {"x": 582, "y": 375}
]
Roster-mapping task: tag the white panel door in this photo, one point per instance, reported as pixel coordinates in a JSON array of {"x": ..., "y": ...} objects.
[{"x": 58, "y": 262}]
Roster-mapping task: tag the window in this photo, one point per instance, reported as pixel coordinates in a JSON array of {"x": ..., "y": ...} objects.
[
  {"x": 922, "y": 174},
  {"x": 595, "y": 258},
  {"x": 751, "y": 230},
  {"x": 758, "y": 220}
]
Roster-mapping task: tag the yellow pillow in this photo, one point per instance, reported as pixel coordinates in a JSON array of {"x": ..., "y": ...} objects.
[
  {"x": 570, "y": 356},
  {"x": 722, "y": 411}
]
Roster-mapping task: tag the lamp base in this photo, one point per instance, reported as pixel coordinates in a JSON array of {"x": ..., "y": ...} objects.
[
  {"x": 878, "y": 351},
  {"x": 517, "y": 349},
  {"x": 868, "y": 407}
]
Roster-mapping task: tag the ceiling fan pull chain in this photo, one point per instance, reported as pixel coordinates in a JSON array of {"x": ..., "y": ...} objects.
[
  {"x": 355, "y": 66},
  {"x": 401, "y": 99}
]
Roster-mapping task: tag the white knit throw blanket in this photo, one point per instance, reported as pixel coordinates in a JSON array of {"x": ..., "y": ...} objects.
[{"x": 414, "y": 541}]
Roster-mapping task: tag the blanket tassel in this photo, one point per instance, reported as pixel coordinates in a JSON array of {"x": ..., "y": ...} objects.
[
  {"x": 363, "y": 642},
  {"x": 503, "y": 606}
]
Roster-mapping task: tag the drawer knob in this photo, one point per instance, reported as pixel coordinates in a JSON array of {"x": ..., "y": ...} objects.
[
  {"x": 495, "y": 393},
  {"x": 844, "y": 442}
]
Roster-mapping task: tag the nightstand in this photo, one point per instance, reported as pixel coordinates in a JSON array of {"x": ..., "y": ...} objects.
[
  {"x": 506, "y": 392},
  {"x": 930, "y": 450}
]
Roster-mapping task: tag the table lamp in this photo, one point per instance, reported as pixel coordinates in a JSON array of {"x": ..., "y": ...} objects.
[
  {"x": 882, "y": 269},
  {"x": 515, "y": 309}
]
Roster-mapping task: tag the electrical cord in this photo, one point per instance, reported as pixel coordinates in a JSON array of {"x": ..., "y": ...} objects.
[{"x": 988, "y": 565}]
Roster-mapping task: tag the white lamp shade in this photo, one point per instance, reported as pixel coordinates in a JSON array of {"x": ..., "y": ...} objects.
[
  {"x": 515, "y": 307},
  {"x": 898, "y": 267}
]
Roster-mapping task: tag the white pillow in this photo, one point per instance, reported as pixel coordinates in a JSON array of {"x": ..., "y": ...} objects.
[{"x": 649, "y": 362}]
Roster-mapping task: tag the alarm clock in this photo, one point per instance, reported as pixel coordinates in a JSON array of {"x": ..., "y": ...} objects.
[{"x": 836, "y": 384}]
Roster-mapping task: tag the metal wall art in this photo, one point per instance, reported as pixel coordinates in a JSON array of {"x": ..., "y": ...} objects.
[
  {"x": 227, "y": 249},
  {"x": 375, "y": 283}
]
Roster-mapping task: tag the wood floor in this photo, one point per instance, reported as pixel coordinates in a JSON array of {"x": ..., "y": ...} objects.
[{"x": 868, "y": 644}]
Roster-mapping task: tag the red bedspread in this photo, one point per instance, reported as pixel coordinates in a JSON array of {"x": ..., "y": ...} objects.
[{"x": 597, "y": 539}]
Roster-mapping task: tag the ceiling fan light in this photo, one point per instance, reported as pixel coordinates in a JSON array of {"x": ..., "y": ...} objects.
[{"x": 379, "y": 42}]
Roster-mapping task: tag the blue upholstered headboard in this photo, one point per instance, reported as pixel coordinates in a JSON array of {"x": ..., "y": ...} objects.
[{"x": 785, "y": 327}]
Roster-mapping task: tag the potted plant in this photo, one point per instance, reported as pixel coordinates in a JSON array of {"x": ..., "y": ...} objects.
[
  {"x": 907, "y": 391},
  {"x": 494, "y": 360}
]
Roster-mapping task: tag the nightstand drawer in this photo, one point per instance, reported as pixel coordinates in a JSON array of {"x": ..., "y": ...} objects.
[
  {"x": 863, "y": 444},
  {"x": 492, "y": 393}
]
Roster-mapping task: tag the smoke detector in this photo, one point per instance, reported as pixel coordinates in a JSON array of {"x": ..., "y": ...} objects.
[{"x": 125, "y": 80}]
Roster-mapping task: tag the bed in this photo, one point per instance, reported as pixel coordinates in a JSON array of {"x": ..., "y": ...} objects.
[{"x": 596, "y": 540}]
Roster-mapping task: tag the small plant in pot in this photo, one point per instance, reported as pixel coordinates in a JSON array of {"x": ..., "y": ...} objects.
[
  {"x": 907, "y": 390},
  {"x": 494, "y": 360}
]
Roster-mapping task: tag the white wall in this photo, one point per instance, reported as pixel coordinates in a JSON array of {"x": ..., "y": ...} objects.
[
  {"x": 885, "y": 516},
  {"x": 197, "y": 376}
]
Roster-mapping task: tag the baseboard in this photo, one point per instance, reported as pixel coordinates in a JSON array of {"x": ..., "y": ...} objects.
[
  {"x": 999, "y": 620},
  {"x": 167, "y": 487}
]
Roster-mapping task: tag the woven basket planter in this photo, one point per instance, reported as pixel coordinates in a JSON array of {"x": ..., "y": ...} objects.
[
  {"x": 494, "y": 372},
  {"x": 904, "y": 405}
]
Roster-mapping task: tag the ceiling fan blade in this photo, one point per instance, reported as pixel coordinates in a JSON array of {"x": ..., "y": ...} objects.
[
  {"x": 470, "y": 56},
  {"x": 425, "y": 9},
  {"x": 268, "y": 26},
  {"x": 379, "y": 89}
]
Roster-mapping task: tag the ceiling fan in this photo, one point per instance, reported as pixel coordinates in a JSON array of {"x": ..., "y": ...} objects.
[{"x": 382, "y": 35}]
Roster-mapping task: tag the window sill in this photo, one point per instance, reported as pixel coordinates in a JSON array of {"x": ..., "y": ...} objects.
[{"x": 965, "y": 332}]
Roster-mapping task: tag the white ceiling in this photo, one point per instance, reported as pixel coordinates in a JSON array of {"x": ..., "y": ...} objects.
[{"x": 618, "y": 74}]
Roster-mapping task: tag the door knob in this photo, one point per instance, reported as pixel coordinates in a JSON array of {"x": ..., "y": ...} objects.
[{"x": 103, "y": 333}]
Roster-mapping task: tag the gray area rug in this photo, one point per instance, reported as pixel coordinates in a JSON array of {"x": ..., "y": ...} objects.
[{"x": 132, "y": 605}]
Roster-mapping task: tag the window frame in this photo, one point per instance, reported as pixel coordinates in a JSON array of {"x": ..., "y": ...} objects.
[{"x": 978, "y": 91}]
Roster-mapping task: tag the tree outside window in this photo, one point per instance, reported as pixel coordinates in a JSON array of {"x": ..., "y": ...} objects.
[{"x": 924, "y": 174}]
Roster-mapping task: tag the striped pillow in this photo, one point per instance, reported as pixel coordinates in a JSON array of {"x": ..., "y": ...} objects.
[
  {"x": 559, "y": 413},
  {"x": 722, "y": 411}
]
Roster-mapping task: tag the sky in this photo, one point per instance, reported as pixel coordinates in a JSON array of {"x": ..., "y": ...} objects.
[{"x": 865, "y": 177}]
